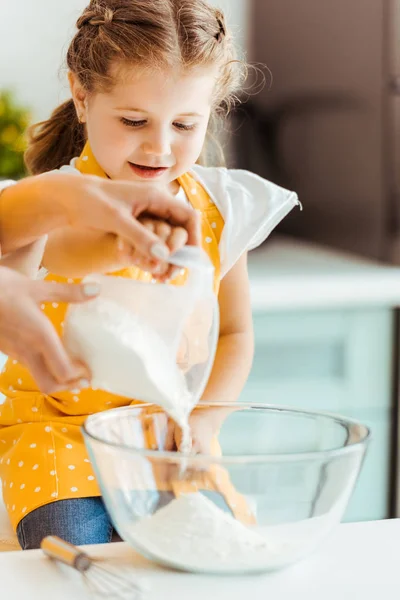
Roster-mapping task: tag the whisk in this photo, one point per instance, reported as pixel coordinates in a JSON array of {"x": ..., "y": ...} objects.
[{"x": 102, "y": 580}]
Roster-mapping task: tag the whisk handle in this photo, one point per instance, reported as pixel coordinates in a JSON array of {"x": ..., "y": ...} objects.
[{"x": 66, "y": 553}]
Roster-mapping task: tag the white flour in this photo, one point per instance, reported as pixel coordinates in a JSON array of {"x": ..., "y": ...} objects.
[
  {"x": 127, "y": 357},
  {"x": 192, "y": 533}
]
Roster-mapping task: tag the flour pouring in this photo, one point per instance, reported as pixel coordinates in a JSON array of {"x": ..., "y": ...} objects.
[{"x": 134, "y": 337}]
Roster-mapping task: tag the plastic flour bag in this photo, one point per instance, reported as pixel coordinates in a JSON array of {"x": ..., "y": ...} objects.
[{"x": 150, "y": 342}]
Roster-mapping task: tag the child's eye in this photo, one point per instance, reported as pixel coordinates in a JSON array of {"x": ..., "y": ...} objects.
[
  {"x": 130, "y": 123},
  {"x": 184, "y": 127}
]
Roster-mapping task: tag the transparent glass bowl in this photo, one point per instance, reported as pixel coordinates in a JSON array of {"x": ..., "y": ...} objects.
[{"x": 284, "y": 475}]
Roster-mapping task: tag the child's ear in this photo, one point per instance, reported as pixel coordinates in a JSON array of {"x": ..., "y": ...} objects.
[{"x": 79, "y": 96}]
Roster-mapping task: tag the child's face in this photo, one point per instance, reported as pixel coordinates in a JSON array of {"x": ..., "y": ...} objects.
[{"x": 152, "y": 126}]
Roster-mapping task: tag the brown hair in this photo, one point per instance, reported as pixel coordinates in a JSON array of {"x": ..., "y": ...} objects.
[{"x": 150, "y": 33}]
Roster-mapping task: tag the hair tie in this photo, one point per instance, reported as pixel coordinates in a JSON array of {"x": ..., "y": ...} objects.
[
  {"x": 222, "y": 31},
  {"x": 107, "y": 19},
  {"x": 98, "y": 20}
]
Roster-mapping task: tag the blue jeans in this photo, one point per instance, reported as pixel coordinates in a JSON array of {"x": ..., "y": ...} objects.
[{"x": 79, "y": 521}]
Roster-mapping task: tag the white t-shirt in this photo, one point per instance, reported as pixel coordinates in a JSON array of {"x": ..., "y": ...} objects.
[{"x": 250, "y": 206}]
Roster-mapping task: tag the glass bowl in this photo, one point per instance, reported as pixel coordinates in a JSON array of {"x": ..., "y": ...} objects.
[{"x": 271, "y": 487}]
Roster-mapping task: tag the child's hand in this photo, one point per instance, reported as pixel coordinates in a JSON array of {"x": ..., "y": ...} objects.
[
  {"x": 205, "y": 423},
  {"x": 174, "y": 237},
  {"x": 203, "y": 429}
]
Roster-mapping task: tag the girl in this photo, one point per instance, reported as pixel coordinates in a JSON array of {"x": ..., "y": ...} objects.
[{"x": 147, "y": 77}]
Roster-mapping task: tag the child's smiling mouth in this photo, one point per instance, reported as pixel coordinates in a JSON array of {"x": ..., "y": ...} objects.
[{"x": 147, "y": 172}]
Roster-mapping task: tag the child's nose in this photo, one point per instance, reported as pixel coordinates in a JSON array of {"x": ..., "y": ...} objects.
[{"x": 158, "y": 145}]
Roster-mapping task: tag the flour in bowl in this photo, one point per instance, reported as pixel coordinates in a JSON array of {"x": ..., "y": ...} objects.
[{"x": 192, "y": 533}]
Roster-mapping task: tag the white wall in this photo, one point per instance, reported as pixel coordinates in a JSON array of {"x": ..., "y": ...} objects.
[{"x": 34, "y": 35}]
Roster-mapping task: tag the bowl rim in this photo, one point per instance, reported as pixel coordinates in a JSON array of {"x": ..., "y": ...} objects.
[{"x": 176, "y": 457}]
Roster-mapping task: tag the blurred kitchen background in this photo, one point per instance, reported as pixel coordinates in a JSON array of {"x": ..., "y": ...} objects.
[{"x": 326, "y": 288}]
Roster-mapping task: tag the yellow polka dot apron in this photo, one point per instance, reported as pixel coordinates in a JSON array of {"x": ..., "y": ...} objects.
[{"x": 42, "y": 454}]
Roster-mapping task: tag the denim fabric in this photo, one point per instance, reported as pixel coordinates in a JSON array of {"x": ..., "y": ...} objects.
[{"x": 79, "y": 521}]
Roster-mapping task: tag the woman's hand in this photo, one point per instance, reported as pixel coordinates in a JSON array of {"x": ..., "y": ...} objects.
[
  {"x": 27, "y": 335},
  {"x": 77, "y": 252},
  {"x": 174, "y": 238},
  {"x": 37, "y": 205}
]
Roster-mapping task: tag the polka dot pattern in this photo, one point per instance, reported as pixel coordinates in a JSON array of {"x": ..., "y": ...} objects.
[{"x": 39, "y": 477}]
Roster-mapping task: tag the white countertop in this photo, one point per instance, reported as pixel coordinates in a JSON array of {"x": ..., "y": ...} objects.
[
  {"x": 288, "y": 274},
  {"x": 360, "y": 561}
]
